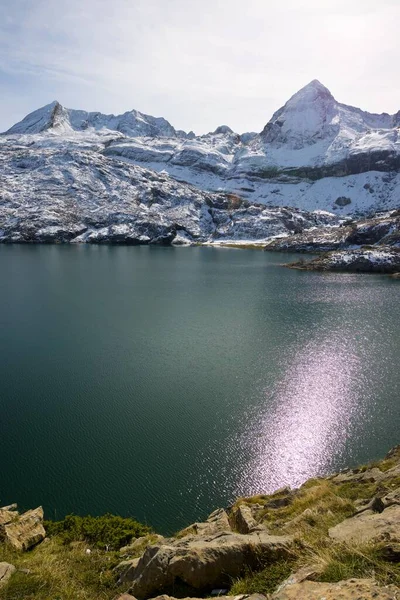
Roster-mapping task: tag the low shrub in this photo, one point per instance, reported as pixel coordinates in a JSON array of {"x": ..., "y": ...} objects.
[{"x": 108, "y": 531}]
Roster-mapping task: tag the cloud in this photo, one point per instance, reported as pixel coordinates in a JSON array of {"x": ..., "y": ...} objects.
[{"x": 198, "y": 63}]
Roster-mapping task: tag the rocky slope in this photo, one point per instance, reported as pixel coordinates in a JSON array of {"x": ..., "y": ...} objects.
[
  {"x": 58, "y": 189},
  {"x": 367, "y": 259},
  {"x": 314, "y": 154},
  {"x": 383, "y": 229},
  {"x": 334, "y": 537}
]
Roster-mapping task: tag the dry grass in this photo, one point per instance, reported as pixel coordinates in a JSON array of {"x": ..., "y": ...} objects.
[{"x": 60, "y": 572}]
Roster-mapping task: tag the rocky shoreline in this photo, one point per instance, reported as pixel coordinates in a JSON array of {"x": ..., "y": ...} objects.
[
  {"x": 368, "y": 259},
  {"x": 334, "y": 537}
]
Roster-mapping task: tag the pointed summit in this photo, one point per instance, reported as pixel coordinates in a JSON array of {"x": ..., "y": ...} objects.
[
  {"x": 308, "y": 116},
  {"x": 311, "y": 91},
  {"x": 38, "y": 120}
]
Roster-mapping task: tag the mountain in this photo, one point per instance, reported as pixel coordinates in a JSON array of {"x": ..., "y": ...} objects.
[
  {"x": 70, "y": 192},
  {"x": 56, "y": 118},
  {"x": 314, "y": 154}
]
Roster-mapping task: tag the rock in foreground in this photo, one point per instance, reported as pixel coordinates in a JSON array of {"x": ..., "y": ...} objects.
[
  {"x": 352, "y": 589},
  {"x": 205, "y": 563}
]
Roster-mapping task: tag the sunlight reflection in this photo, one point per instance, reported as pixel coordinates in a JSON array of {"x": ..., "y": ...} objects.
[{"x": 308, "y": 418}]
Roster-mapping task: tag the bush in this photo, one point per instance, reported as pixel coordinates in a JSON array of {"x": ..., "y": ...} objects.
[{"x": 108, "y": 530}]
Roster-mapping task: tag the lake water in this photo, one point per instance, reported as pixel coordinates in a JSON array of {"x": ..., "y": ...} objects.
[{"x": 162, "y": 383}]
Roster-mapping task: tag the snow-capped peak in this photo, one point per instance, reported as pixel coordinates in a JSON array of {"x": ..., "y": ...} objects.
[
  {"x": 132, "y": 123},
  {"x": 41, "y": 119},
  {"x": 313, "y": 114},
  {"x": 309, "y": 115}
]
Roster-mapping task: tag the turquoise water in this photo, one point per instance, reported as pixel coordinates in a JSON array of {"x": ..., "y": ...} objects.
[{"x": 163, "y": 382}]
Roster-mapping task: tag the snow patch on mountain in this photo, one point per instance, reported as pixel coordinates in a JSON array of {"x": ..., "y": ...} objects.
[{"x": 314, "y": 153}]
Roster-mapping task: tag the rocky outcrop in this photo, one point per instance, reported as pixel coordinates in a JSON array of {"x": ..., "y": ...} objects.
[
  {"x": 22, "y": 532},
  {"x": 241, "y": 519},
  {"x": 353, "y": 589},
  {"x": 205, "y": 563},
  {"x": 67, "y": 193},
  {"x": 369, "y": 526},
  {"x": 379, "y": 259},
  {"x": 380, "y": 230}
]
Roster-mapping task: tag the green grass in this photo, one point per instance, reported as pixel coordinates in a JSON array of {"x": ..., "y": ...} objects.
[
  {"x": 343, "y": 562},
  {"x": 57, "y": 571},
  {"x": 60, "y": 568},
  {"x": 263, "y": 582},
  {"x": 105, "y": 532}
]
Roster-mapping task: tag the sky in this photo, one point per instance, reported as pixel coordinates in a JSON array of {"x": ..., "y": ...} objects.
[{"x": 198, "y": 63}]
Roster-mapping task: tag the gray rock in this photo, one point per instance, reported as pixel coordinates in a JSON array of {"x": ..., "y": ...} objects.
[
  {"x": 217, "y": 522},
  {"x": 205, "y": 563},
  {"x": 369, "y": 526},
  {"x": 374, "y": 259},
  {"x": 342, "y": 201}
]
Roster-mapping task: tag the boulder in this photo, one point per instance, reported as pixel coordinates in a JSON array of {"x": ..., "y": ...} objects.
[
  {"x": 205, "y": 563},
  {"x": 217, "y": 522},
  {"x": 6, "y": 570},
  {"x": 369, "y": 526},
  {"x": 25, "y": 530},
  {"x": 351, "y": 589},
  {"x": 241, "y": 519},
  {"x": 373, "y": 475}
]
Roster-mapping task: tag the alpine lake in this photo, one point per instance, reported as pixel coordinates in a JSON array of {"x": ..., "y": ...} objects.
[{"x": 162, "y": 383}]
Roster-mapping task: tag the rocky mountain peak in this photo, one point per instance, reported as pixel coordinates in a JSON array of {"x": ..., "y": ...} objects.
[{"x": 308, "y": 116}]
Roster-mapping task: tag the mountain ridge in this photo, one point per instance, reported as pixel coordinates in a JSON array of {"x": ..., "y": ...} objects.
[
  {"x": 315, "y": 153},
  {"x": 313, "y": 86}
]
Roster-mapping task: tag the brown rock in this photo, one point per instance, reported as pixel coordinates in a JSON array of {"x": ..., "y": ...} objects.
[
  {"x": 241, "y": 519},
  {"x": 217, "y": 522},
  {"x": 352, "y": 589},
  {"x": 7, "y": 515},
  {"x": 6, "y": 570},
  {"x": 369, "y": 526},
  {"x": 373, "y": 475},
  {"x": 205, "y": 563},
  {"x": 24, "y": 531}
]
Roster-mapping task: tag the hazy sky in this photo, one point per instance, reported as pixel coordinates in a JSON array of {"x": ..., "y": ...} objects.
[{"x": 198, "y": 63}]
